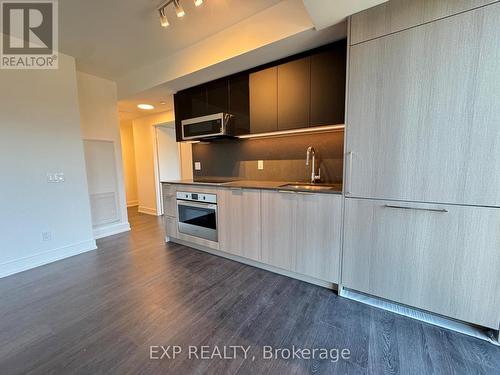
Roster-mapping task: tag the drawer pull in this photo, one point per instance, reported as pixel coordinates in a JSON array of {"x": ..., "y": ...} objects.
[
  {"x": 417, "y": 208},
  {"x": 349, "y": 174}
]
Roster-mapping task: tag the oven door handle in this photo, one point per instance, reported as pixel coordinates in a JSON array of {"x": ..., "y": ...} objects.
[{"x": 196, "y": 204}]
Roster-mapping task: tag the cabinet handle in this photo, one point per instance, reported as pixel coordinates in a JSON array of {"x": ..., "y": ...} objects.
[
  {"x": 304, "y": 193},
  {"x": 349, "y": 177},
  {"x": 416, "y": 208}
]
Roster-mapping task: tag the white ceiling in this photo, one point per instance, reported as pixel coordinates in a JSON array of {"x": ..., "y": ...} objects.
[
  {"x": 154, "y": 96},
  {"x": 325, "y": 13},
  {"x": 109, "y": 38}
]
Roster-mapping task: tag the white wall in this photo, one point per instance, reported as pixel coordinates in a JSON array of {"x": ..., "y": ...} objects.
[
  {"x": 40, "y": 133},
  {"x": 144, "y": 147},
  {"x": 100, "y": 122},
  {"x": 128, "y": 154},
  {"x": 145, "y": 162}
]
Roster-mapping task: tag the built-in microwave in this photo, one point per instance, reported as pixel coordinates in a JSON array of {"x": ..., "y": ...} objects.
[
  {"x": 197, "y": 213},
  {"x": 206, "y": 127}
]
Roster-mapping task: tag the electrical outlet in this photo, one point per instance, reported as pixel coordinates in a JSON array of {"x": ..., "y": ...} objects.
[
  {"x": 46, "y": 236},
  {"x": 197, "y": 166},
  {"x": 260, "y": 165}
]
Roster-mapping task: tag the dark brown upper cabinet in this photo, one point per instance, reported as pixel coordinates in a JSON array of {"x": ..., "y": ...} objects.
[
  {"x": 328, "y": 80},
  {"x": 198, "y": 102},
  {"x": 239, "y": 102},
  {"x": 300, "y": 91},
  {"x": 217, "y": 96},
  {"x": 294, "y": 94},
  {"x": 182, "y": 110},
  {"x": 264, "y": 100}
]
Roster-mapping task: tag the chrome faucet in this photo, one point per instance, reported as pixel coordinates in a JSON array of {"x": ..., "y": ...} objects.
[{"x": 311, "y": 154}]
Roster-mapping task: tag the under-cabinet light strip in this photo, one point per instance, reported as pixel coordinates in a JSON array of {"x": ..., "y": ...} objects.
[{"x": 295, "y": 131}]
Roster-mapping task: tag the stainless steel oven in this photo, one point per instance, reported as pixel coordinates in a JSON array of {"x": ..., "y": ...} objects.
[{"x": 197, "y": 213}]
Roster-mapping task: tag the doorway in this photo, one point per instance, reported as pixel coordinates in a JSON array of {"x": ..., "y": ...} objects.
[{"x": 173, "y": 160}]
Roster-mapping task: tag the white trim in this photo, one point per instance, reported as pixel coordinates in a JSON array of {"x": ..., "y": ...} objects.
[
  {"x": 254, "y": 263},
  {"x": 45, "y": 257},
  {"x": 133, "y": 203},
  {"x": 109, "y": 230},
  {"x": 421, "y": 315},
  {"x": 147, "y": 211},
  {"x": 156, "y": 162}
]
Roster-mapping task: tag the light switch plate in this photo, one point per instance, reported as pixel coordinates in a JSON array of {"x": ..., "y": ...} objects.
[
  {"x": 197, "y": 166},
  {"x": 55, "y": 178},
  {"x": 46, "y": 236},
  {"x": 260, "y": 165}
]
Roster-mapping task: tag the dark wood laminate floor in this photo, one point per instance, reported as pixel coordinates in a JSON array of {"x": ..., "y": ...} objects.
[{"x": 99, "y": 313}]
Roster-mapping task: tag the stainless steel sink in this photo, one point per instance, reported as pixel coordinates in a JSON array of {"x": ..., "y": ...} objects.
[{"x": 310, "y": 187}]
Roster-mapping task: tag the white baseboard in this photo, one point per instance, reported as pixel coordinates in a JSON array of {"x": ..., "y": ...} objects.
[
  {"x": 147, "y": 211},
  {"x": 132, "y": 203},
  {"x": 40, "y": 259},
  {"x": 421, "y": 315},
  {"x": 111, "y": 229}
]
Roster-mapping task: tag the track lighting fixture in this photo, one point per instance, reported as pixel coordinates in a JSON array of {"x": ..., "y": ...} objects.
[
  {"x": 178, "y": 10},
  {"x": 163, "y": 17}
]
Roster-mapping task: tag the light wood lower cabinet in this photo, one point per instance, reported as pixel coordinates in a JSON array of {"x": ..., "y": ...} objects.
[
  {"x": 278, "y": 229},
  {"x": 293, "y": 231},
  {"x": 319, "y": 227},
  {"x": 171, "y": 227},
  {"x": 301, "y": 233},
  {"x": 170, "y": 210},
  {"x": 169, "y": 200},
  {"x": 419, "y": 255},
  {"x": 239, "y": 222},
  {"x": 170, "y": 205}
]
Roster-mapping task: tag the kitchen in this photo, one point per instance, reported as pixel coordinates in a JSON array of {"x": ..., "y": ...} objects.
[
  {"x": 275, "y": 186},
  {"x": 411, "y": 194}
]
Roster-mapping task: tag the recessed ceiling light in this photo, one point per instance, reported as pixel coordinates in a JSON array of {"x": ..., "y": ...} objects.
[
  {"x": 146, "y": 107},
  {"x": 198, "y": 2}
]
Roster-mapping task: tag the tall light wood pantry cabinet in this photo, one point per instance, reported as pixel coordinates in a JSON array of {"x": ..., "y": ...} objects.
[{"x": 423, "y": 156}]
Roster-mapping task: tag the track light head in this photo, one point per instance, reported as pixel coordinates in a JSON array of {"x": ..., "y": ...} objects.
[
  {"x": 163, "y": 17},
  {"x": 198, "y": 2},
  {"x": 178, "y": 9}
]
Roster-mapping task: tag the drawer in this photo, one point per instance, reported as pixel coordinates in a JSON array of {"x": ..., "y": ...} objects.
[
  {"x": 198, "y": 189},
  {"x": 440, "y": 258}
]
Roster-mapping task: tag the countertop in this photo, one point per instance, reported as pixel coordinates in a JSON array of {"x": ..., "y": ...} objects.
[{"x": 265, "y": 185}]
